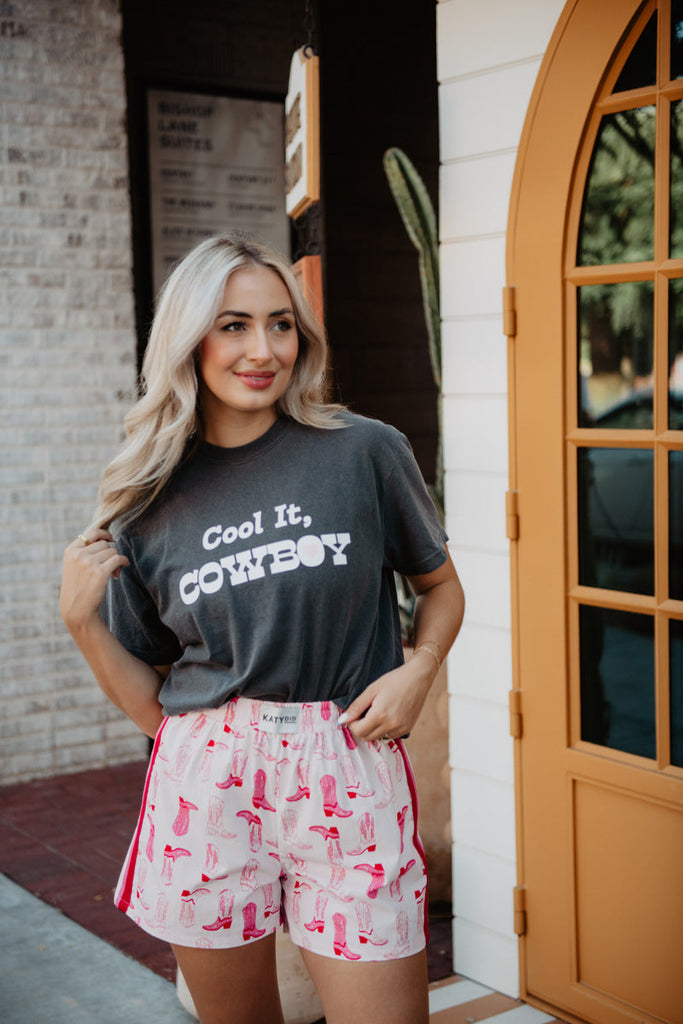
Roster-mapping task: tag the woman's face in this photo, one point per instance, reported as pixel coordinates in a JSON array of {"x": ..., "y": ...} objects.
[{"x": 246, "y": 360}]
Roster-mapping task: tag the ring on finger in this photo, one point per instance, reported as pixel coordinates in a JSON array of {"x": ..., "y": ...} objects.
[{"x": 85, "y": 540}]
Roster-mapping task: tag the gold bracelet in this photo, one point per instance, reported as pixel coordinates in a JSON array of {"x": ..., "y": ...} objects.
[{"x": 426, "y": 645}]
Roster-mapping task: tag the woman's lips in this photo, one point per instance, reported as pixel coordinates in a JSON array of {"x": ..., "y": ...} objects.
[{"x": 256, "y": 381}]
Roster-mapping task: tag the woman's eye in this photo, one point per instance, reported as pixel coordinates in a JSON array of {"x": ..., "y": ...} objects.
[
  {"x": 233, "y": 326},
  {"x": 283, "y": 325}
]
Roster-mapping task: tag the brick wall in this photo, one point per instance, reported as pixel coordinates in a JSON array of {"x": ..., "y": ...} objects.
[{"x": 67, "y": 361}]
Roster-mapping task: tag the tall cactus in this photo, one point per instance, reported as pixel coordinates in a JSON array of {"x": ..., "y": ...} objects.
[{"x": 417, "y": 213}]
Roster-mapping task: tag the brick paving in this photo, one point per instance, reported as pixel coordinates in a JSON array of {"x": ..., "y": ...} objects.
[{"x": 64, "y": 839}]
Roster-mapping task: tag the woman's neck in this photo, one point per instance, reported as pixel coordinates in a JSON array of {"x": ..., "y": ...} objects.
[{"x": 236, "y": 430}]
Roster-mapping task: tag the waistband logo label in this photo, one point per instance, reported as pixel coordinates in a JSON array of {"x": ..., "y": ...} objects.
[{"x": 280, "y": 720}]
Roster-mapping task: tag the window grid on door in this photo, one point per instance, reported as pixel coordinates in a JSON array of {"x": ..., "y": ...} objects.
[{"x": 596, "y": 442}]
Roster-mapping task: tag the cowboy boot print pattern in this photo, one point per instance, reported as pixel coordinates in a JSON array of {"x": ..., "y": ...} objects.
[
  {"x": 366, "y": 932},
  {"x": 226, "y": 901},
  {"x": 241, "y": 823},
  {"x": 317, "y": 924},
  {"x": 341, "y": 947},
  {"x": 181, "y": 825},
  {"x": 255, "y": 830}
]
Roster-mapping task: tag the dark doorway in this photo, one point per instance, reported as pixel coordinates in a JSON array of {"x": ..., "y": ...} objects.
[{"x": 378, "y": 89}]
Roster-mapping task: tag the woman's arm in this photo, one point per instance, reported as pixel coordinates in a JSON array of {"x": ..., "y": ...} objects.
[
  {"x": 391, "y": 705},
  {"x": 127, "y": 681}
]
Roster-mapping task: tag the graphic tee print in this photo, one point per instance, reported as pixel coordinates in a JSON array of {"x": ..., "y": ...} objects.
[{"x": 267, "y": 570}]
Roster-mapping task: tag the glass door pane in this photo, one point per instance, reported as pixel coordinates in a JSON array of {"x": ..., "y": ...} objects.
[
  {"x": 616, "y": 535},
  {"x": 677, "y": 38},
  {"x": 640, "y": 68},
  {"x": 676, "y": 188},
  {"x": 618, "y": 680},
  {"x": 615, "y": 325},
  {"x": 676, "y": 666},
  {"x": 617, "y": 224},
  {"x": 676, "y": 354},
  {"x": 676, "y": 526}
]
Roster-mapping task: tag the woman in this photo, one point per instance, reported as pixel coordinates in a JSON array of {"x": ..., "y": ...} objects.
[{"x": 242, "y": 612}]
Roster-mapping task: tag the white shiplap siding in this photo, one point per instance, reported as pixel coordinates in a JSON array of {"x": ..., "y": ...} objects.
[{"x": 489, "y": 53}]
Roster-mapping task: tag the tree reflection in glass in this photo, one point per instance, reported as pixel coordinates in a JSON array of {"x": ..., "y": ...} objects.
[
  {"x": 615, "y": 325},
  {"x": 617, "y": 221},
  {"x": 676, "y": 354},
  {"x": 676, "y": 188}
]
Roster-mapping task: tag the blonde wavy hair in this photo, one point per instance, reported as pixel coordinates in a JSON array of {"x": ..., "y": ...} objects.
[{"x": 166, "y": 419}]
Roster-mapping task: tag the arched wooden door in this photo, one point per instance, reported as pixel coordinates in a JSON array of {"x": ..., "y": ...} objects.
[{"x": 595, "y": 273}]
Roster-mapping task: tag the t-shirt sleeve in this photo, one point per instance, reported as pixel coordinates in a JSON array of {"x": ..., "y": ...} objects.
[
  {"x": 131, "y": 614},
  {"x": 415, "y": 540}
]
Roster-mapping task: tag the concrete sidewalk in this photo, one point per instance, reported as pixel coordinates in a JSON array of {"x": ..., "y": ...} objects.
[{"x": 53, "y": 971}]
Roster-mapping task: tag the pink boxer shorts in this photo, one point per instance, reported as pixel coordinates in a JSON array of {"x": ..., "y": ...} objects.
[{"x": 260, "y": 813}]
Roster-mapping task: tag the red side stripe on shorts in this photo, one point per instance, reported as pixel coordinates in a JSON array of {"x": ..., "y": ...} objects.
[
  {"x": 125, "y": 889},
  {"x": 416, "y": 838}
]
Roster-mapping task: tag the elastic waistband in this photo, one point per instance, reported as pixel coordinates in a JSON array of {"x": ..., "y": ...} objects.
[{"x": 277, "y": 717}]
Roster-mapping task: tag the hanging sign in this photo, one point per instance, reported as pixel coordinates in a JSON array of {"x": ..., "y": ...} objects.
[
  {"x": 302, "y": 134},
  {"x": 215, "y": 164},
  {"x": 309, "y": 274}
]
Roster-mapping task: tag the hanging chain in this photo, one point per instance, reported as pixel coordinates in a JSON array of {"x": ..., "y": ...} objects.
[{"x": 309, "y": 28}]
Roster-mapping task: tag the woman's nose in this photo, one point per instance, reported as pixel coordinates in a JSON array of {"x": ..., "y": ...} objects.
[{"x": 258, "y": 349}]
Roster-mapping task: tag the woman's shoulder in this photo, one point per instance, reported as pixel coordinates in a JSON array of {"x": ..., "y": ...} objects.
[
  {"x": 364, "y": 448},
  {"x": 137, "y": 526},
  {"x": 366, "y": 431}
]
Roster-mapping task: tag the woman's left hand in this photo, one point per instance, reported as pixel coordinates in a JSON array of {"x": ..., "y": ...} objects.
[{"x": 390, "y": 707}]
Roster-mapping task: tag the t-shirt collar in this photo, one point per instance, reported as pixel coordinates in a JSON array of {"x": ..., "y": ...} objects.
[{"x": 245, "y": 452}]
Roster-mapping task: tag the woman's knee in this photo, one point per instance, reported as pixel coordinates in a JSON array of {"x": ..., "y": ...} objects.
[
  {"x": 384, "y": 991},
  {"x": 233, "y": 986}
]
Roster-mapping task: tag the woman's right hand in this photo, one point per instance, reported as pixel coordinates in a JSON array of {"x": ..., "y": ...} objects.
[{"x": 87, "y": 569}]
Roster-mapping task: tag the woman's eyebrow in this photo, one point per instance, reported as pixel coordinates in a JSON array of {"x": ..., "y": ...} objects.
[
  {"x": 248, "y": 316},
  {"x": 234, "y": 312}
]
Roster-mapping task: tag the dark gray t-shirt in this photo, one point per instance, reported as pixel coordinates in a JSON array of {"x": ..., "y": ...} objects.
[{"x": 267, "y": 570}]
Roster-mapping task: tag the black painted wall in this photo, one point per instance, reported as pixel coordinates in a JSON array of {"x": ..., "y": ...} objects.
[{"x": 378, "y": 89}]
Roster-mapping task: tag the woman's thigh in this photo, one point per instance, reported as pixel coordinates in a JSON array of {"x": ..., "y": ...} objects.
[
  {"x": 233, "y": 986},
  {"x": 381, "y": 991}
]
